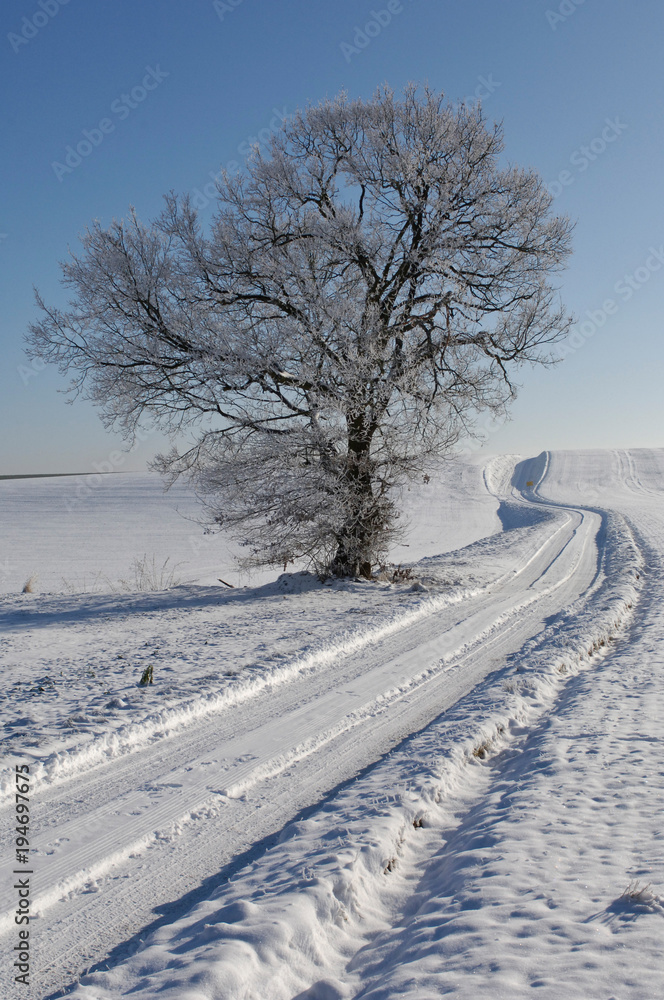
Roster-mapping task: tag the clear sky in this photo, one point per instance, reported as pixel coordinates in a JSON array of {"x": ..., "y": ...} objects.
[{"x": 181, "y": 87}]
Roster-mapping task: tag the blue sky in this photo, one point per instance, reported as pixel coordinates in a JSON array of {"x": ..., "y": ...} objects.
[{"x": 170, "y": 90}]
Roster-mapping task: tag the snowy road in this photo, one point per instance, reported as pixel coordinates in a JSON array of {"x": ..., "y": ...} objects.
[{"x": 120, "y": 838}]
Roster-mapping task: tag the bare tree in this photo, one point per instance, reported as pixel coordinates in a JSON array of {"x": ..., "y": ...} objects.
[{"x": 365, "y": 289}]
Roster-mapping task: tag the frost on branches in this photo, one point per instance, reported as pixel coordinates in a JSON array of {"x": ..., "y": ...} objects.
[{"x": 365, "y": 289}]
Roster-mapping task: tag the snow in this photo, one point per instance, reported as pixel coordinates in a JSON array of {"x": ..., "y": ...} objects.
[
  {"x": 360, "y": 789},
  {"x": 82, "y": 533}
]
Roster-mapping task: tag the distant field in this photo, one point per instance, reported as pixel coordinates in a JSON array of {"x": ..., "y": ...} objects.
[
  {"x": 52, "y": 475},
  {"x": 83, "y": 532}
]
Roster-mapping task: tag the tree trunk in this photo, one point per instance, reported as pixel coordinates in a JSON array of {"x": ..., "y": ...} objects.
[
  {"x": 351, "y": 559},
  {"x": 356, "y": 542}
]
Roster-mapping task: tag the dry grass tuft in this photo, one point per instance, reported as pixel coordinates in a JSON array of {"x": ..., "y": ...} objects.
[
  {"x": 482, "y": 751},
  {"x": 149, "y": 576},
  {"x": 146, "y": 677},
  {"x": 391, "y": 573}
]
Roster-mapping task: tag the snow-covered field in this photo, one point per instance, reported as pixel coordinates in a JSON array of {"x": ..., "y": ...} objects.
[
  {"x": 448, "y": 785},
  {"x": 83, "y": 533}
]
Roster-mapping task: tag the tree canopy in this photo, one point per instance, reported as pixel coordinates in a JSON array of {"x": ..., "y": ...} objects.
[{"x": 365, "y": 289}]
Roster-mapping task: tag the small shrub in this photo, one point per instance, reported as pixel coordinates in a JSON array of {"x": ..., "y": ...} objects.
[{"x": 30, "y": 584}]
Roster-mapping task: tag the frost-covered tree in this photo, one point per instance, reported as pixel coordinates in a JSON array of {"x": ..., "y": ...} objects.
[{"x": 365, "y": 289}]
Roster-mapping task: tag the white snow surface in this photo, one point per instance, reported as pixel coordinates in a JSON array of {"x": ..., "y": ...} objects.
[{"x": 449, "y": 785}]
